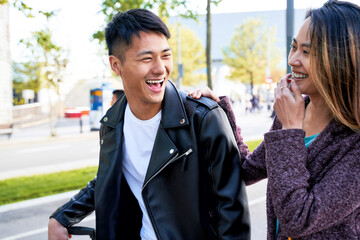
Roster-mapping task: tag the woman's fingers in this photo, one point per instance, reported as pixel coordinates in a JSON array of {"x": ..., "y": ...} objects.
[
  {"x": 206, "y": 92},
  {"x": 296, "y": 91},
  {"x": 289, "y": 103}
]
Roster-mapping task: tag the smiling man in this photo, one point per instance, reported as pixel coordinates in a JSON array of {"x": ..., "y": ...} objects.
[{"x": 169, "y": 166}]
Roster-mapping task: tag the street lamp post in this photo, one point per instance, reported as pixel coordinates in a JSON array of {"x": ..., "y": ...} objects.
[{"x": 289, "y": 29}]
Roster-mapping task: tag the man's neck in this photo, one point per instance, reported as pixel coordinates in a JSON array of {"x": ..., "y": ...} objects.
[{"x": 144, "y": 112}]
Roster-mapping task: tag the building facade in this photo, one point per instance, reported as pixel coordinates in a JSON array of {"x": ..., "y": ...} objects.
[{"x": 6, "y": 95}]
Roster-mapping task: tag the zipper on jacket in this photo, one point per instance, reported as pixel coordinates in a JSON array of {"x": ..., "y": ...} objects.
[
  {"x": 176, "y": 157},
  {"x": 185, "y": 159}
]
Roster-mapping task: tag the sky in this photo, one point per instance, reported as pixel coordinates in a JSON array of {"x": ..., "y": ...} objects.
[{"x": 79, "y": 19}]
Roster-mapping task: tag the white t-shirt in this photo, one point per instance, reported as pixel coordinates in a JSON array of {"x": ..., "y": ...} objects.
[{"x": 139, "y": 137}]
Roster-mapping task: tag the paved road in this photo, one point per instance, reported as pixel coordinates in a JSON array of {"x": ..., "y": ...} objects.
[
  {"x": 32, "y": 150},
  {"x": 28, "y": 220},
  {"x": 36, "y": 152}
]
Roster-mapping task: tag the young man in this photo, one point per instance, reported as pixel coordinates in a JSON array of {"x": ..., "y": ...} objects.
[{"x": 169, "y": 166}]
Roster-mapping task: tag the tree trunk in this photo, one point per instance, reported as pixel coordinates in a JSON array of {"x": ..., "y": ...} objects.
[{"x": 208, "y": 44}]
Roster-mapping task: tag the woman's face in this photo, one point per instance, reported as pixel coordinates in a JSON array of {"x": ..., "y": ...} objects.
[{"x": 299, "y": 60}]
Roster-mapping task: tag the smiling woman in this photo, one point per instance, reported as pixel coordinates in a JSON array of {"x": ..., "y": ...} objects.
[{"x": 310, "y": 155}]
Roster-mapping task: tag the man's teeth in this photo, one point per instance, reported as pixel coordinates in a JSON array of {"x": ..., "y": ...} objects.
[
  {"x": 153, "y": 82},
  {"x": 299, "y": 75}
]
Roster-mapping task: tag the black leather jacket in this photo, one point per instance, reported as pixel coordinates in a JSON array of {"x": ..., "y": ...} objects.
[{"x": 193, "y": 188}]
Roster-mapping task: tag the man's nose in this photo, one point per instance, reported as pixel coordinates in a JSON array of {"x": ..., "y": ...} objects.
[{"x": 158, "y": 67}]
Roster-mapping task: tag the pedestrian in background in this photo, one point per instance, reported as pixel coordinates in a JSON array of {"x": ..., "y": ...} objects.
[
  {"x": 169, "y": 164},
  {"x": 116, "y": 95},
  {"x": 311, "y": 155}
]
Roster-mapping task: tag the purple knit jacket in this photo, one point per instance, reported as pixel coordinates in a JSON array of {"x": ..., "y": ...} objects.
[{"x": 314, "y": 192}]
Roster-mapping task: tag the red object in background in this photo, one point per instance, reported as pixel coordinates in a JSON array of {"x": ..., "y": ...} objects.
[
  {"x": 73, "y": 114},
  {"x": 76, "y": 112}
]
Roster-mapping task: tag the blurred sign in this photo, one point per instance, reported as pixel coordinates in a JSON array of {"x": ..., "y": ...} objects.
[{"x": 100, "y": 102}]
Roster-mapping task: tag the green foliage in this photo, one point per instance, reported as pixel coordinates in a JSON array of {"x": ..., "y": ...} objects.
[
  {"x": 216, "y": 2},
  {"x": 46, "y": 57},
  {"x": 23, "y": 188},
  {"x": 253, "y": 144},
  {"x": 26, "y": 9},
  {"x": 192, "y": 56},
  {"x": 21, "y": 6},
  {"x": 25, "y": 76},
  {"x": 163, "y": 7},
  {"x": 248, "y": 52}
]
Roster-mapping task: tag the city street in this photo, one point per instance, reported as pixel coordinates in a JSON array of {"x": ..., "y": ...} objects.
[{"x": 36, "y": 152}]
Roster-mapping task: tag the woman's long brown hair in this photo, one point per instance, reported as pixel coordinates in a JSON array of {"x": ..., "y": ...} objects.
[{"x": 335, "y": 58}]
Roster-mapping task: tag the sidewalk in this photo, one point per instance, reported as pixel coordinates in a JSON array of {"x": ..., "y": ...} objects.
[{"x": 41, "y": 130}]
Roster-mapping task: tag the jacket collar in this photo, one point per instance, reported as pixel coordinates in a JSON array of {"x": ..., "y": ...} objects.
[
  {"x": 173, "y": 110},
  {"x": 115, "y": 114}
]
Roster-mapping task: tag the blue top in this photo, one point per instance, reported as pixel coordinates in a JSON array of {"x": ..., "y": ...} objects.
[{"x": 308, "y": 140}]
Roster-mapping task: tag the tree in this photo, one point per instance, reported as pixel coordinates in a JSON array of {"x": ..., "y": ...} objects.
[
  {"x": 192, "y": 55},
  {"x": 164, "y": 9},
  {"x": 208, "y": 41},
  {"x": 248, "y": 53},
  {"x": 26, "y": 75},
  {"x": 49, "y": 59},
  {"x": 21, "y": 6}
]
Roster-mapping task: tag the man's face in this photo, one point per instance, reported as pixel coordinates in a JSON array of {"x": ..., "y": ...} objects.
[{"x": 145, "y": 71}]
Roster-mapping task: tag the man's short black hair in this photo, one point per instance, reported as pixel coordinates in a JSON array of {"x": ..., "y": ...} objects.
[
  {"x": 124, "y": 25},
  {"x": 118, "y": 92}
]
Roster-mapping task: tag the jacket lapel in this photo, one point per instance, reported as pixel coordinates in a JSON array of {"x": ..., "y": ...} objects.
[
  {"x": 163, "y": 151},
  {"x": 111, "y": 144},
  {"x": 173, "y": 116}
]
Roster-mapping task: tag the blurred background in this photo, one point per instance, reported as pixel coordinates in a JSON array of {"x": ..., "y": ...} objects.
[
  {"x": 56, "y": 84},
  {"x": 53, "y": 52}
]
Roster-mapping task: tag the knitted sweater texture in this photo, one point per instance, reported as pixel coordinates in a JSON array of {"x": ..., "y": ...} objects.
[{"x": 314, "y": 192}]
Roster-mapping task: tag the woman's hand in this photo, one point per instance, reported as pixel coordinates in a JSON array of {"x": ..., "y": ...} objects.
[
  {"x": 289, "y": 103},
  {"x": 206, "y": 92}
]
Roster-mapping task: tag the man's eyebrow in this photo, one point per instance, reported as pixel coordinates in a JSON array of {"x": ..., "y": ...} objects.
[
  {"x": 144, "y": 53},
  {"x": 303, "y": 44},
  {"x": 151, "y": 52},
  {"x": 166, "y": 50}
]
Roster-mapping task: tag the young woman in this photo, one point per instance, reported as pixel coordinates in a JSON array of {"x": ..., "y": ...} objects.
[{"x": 311, "y": 155}]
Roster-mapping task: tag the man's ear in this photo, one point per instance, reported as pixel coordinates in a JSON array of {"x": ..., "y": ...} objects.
[{"x": 115, "y": 64}]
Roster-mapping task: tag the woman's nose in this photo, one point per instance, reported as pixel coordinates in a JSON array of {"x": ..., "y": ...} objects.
[{"x": 293, "y": 59}]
